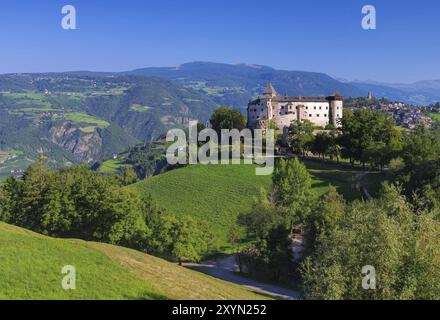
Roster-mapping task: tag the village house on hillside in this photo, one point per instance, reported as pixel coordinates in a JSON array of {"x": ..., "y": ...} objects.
[{"x": 282, "y": 110}]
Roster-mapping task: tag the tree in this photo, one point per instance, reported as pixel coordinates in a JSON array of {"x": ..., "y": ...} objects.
[
  {"x": 262, "y": 217},
  {"x": 276, "y": 253},
  {"x": 334, "y": 150},
  {"x": 300, "y": 136},
  {"x": 386, "y": 233},
  {"x": 369, "y": 137},
  {"x": 127, "y": 176},
  {"x": 420, "y": 153},
  {"x": 324, "y": 218},
  {"x": 321, "y": 144},
  {"x": 183, "y": 238},
  {"x": 291, "y": 184},
  {"x": 226, "y": 118},
  {"x": 271, "y": 257}
]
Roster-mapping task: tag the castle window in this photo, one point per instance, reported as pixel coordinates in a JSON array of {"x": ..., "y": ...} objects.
[
  {"x": 307, "y": 108},
  {"x": 314, "y": 108},
  {"x": 310, "y": 115},
  {"x": 326, "y": 108},
  {"x": 317, "y": 115},
  {"x": 320, "y": 108},
  {"x": 325, "y": 115},
  {"x": 337, "y": 108}
]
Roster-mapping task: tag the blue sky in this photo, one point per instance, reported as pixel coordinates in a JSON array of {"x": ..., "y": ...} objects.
[{"x": 311, "y": 35}]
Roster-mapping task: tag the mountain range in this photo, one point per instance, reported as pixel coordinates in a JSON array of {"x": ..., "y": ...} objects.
[{"x": 234, "y": 85}]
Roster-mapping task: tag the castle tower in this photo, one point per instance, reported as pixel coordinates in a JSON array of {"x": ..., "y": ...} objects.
[
  {"x": 269, "y": 92},
  {"x": 336, "y": 108}
]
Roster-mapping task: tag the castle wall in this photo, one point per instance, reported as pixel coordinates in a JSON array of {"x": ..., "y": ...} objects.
[{"x": 283, "y": 110}]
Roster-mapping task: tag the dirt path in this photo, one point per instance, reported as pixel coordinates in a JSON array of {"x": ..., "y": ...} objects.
[{"x": 226, "y": 269}]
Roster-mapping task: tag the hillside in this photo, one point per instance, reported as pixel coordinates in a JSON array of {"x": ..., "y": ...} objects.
[
  {"x": 30, "y": 265},
  {"x": 216, "y": 194},
  {"x": 86, "y": 117}
]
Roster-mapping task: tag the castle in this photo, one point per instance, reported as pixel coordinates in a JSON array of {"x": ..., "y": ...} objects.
[{"x": 282, "y": 110}]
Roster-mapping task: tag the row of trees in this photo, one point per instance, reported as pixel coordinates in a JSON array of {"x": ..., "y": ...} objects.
[
  {"x": 364, "y": 136},
  {"x": 80, "y": 203}
]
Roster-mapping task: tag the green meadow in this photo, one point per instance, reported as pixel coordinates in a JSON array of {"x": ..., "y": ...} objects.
[
  {"x": 435, "y": 116},
  {"x": 31, "y": 268},
  {"x": 139, "y": 108},
  {"x": 112, "y": 166},
  {"x": 81, "y": 117},
  {"x": 216, "y": 194}
]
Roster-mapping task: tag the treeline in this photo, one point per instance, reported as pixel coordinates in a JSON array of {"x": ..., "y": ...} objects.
[
  {"x": 398, "y": 237},
  {"x": 365, "y": 136},
  {"x": 80, "y": 203}
]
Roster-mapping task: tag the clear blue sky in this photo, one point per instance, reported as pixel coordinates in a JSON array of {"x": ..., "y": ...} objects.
[{"x": 311, "y": 35}]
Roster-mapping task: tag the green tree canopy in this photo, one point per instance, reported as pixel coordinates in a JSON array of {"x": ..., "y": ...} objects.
[
  {"x": 291, "y": 184},
  {"x": 226, "y": 118}
]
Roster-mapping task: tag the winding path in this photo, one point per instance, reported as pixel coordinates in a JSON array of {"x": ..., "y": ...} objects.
[{"x": 226, "y": 269}]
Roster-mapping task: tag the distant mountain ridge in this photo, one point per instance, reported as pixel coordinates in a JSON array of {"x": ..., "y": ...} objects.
[{"x": 236, "y": 84}]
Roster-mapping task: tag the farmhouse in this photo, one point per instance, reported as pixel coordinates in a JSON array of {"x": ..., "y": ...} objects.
[{"x": 282, "y": 110}]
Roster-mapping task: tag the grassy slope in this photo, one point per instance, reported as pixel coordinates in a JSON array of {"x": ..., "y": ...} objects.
[
  {"x": 435, "y": 116},
  {"x": 214, "y": 193},
  {"x": 30, "y": 268},
  {"x": 217, "y": 193},
  {"x": 111, "y": 166}
]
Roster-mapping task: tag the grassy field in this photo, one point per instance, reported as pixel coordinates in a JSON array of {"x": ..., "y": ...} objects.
[
  {"x": 31, "y": 264},
  {"x": 213, "y": 193},
  {"x": 80, "y": 118},
  {"x": 218, "y": 193},
  {"x": 139, "y": 108},
  {"x": 111, "y": 166},
  {"x": 435, "y": 116},
  {"x": 12, "y": 160}
]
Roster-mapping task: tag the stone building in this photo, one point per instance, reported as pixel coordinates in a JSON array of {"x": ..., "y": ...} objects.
[{"x": 282, "y": 110}]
